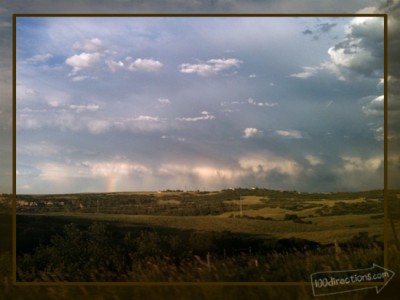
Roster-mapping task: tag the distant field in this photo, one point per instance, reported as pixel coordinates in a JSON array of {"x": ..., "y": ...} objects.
[
  {"x": 333, "y": 202},
  {"x": 321, "y": 217},
  {"x": 235, "y": 234},
  {"x": 323, "y": 229}
]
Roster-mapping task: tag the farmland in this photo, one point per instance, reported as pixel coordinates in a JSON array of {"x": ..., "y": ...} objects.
[{"x": 228, "y": 235}]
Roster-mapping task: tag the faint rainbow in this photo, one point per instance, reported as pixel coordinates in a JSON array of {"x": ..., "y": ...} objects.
[{"x": 111, "y": 183}]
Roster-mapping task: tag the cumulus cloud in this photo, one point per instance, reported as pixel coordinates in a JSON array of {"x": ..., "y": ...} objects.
[
  {"x": 250, "y": 132},
  {"x": 143, "y": 65},
  {"x": 83, "y": 61},
  {"x": 91, "y": 46},
  {"x": 375, "y": 107},
  {"x": 362, "y": 49},
  {"x": 358, "y": 164},
  {"x": 266, "y": 163},
  {"x": 294, "y": 134},
  {"x": 205, "y": 115},
  {"x": 360, "y": 52},
  {"x": 211, "y": 67},
  {"x": 137, "y": 65},
  {"x": 115, "y": 65}
]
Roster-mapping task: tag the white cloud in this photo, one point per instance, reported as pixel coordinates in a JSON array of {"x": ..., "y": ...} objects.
[
  {"x": 210, "y": 176},
  {"x": 31, "y": 92},
  {"x": 59, "y": 172},
  {"x": 252, "y": 76},
  {"x": 55, "y": 102},
  {"x": 212, "y": 173},
  {"x": 164, "y": 100},
  {"x": 361, "y": 52},
  {"x": 357, "y": 164},
  {"x": 91, "y": 46},
  {"x": 146, "y": 118},
  {"x": 250, "y": 132},
  {"x": 141, "y": 123},
  {"x": 294, "y": 134},
  {"x": 313, "y": 160},
  {"x": 84, "y": 108},
  {"x": 205, "y": 115},
  {"x": 144, "y": 65},
  {"x": 115, "y": 168},
  {"x": 374, "y": 107},
  {"x": 65, "y": 176},
  {"x": 82, "y": 77},
  {"x": 379, "y": 134},
  {"x": 265, "y": 163},
  {"x": 39, "y": 58},
  {"x": 261, "y": 104},
  {"x": 83, "y": 60},
  {"x": 307, "y": 72},
  {"x": 115, "y": 66},
  {"x": 362, "y": 49},
  {"x": 211, "y": 67}
]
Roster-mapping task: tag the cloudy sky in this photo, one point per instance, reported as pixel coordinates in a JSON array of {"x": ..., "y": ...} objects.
[{"x": 118, "y": 104}]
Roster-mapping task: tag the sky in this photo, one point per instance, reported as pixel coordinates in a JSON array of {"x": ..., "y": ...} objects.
[{"x": 154, "y": 103}]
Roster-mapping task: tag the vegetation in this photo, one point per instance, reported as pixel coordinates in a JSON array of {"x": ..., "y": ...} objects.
[
  {"x": 229, "y": 235},
  {"x": 195, "y": 203},
  {"x": 322, "y": 258},
  {"x": 102, "y": 252}
]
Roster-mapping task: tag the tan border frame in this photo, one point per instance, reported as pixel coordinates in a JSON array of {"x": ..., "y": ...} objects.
[{"x": 161, "y": 283}]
